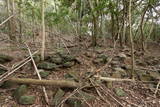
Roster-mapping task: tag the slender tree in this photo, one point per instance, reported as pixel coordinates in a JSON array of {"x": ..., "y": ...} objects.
[
  {"x": 94, "y": 22},
  {"x": 11, "y": 24},
  {"x": 131, "y": 37},
  {"x": 13, "y": 21},
  {"x": 141, "y": 28},
  {"x": 8, "y": 14},
  {"x": 20, "y": 23},
  {"x": 124, "y": 24},
  {"x": 43, "y": 30}
]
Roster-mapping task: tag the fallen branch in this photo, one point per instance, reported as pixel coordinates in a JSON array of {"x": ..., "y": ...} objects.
[
  {"x": 113, "y": 79},
  {"x": 157, "y": 88},
  {"x": 70, "y": 95},
  {"x": 6, "y": 20},
  {"x": 11, "y": 72},
  {"x": 120, "y": 80},
  {"x": 4, "y": 67},
  {"x": 56, "y": 83},
  {"x": 65, "y": 46},
  {"x": 98, "y": 92},
  {"x": 39, "y": 76},
  {"x": 21, "y": 62},
  {"x": 16, "y": 67},
  {"x": 108, "y": 94}
]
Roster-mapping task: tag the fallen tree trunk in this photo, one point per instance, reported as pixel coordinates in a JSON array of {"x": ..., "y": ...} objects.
[{"x": 56, "y": 83}]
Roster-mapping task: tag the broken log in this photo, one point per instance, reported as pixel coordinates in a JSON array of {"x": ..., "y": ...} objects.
[{"x": 56, "y": 83}]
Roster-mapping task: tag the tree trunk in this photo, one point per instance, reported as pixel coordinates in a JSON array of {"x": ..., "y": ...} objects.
[
  {"x": 141, "y": 28},
  {"x": 20, "y": 23},
  {"x": 94, "y": 23},
  {"x": 80, "y": 20},
  {"x": 43, "y": 31},
  {"x": 9, "y": 22},
  {"x": 13, "y": 23},
  {"x": 112, "y": 26},
  {"x": 124, "y": 24},
  {"x": 94, "y": 35},
  {"x": 131, "y": 38}
]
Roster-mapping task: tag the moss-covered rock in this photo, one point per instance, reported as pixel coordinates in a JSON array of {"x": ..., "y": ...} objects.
[
  {"x": 20, "y": 91},
  {"x": 56, "y": 59},
  {"x": 68, "y": 58},
  {"x": 100, "y": 59},
  {"x": 44, "y": 74},
  {"x": 68, "y": 64},
  {"x": 85, "y": 95},
  {"x": 5, "y": 58},
  {"x": 103, "y": 56},
  {"x": 109, "y": 84},
  {"x": 72, "y": 75},
  {"x": 97, "y": 61},
  {"x": 119, "y": 73},
  {"x": 115, "y": 64},
  {"x": 47, "y": 66},
  {"x": 37, "y": 58},
  {"x": 57, "y": 97},
  {"x": 120, "y": 92},
  {"x": 27, "y": 100},
  {"x": 73, "y": 102}
]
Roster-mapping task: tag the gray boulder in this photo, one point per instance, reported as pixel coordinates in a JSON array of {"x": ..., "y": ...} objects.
[{"x": 27, "y": 100}]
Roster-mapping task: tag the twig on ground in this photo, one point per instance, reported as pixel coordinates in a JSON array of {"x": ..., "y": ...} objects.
[
  {"x": 4, "y": 67},
  {"x": 65, "y": 46},
  {"x": 113, "y": 79},
  {"x": 74, "y": 92},
  {"x": 111, "y": 96},
  {"x": 19, "y": 63},
  {"x": 6, "y": 20},
  {"x": 18, "y": 66},
  {"x": 39, "y": 76},
  {"x": 100, "y": 95},
  {"x": 157, "y": 88},
  {"x": 11, "y": 72},
  {"x": 121, "y": 80},
  {"x": 84, "y": 99}
]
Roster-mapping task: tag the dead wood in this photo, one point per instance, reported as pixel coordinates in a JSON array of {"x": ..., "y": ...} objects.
[
  {"x": 39, "y": 76},
  {"x": 55, "y": 83},
  {"x": 6, "y": 20},
  {"x": 16, "y": 67}
]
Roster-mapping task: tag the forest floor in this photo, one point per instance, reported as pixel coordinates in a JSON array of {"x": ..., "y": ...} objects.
[{"x": 106, "y": 94}]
